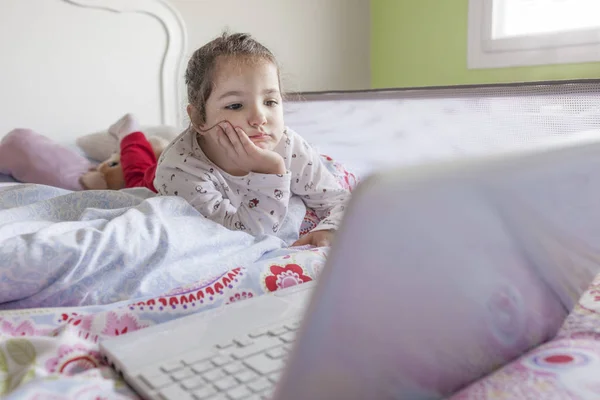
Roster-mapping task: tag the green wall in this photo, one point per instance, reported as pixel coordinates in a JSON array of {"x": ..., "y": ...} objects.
[{"x": 424, "y": 43}]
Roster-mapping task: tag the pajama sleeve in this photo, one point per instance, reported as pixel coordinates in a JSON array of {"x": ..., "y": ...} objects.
[
  {"x": 262, "y": 208},
  {"x": 318, "y": 187}
]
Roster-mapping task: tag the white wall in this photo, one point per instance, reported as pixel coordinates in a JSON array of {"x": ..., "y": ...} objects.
[{"x": 321, "y": 44}]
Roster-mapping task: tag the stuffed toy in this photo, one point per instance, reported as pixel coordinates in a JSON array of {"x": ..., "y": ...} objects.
[
  {"x": 110, "y": 175},
  {"x": 33, "y": 158},
  {"x": 130, "y": 157},
  {"x": 135, "y": 163}
]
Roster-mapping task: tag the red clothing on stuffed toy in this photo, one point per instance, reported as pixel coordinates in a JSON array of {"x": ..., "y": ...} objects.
[{"x": 138, "y": 161}]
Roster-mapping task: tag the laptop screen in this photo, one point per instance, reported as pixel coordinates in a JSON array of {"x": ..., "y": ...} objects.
[{"x": 440, "y": 277}]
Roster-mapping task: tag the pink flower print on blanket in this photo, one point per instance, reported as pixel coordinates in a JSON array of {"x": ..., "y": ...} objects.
[
  {"x": 289, "y": 275},
  {"x": 72, "y": 360},
  {"x": 83, "y": 322},
  {"x": 21, "y": 328},
  {"x": 119, "y": 325},
  {"x": 239, "y": 296}
]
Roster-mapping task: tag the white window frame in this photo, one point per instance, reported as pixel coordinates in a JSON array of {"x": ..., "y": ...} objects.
[{"x": 539, "y": 49}]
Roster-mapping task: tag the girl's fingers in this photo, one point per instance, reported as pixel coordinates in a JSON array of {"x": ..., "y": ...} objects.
[
  {"x": 234, "y": 139},
  {"x": 225, "y": 143},
  {"x": 245, "y": 141},
  {"x": 304, "y": 240}
]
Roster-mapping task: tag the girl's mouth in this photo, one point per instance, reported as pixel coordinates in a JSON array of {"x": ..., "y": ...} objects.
[{"x": 261, "y": 136}]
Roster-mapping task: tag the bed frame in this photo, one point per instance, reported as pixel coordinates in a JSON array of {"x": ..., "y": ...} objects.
[
  {"x": 372, "y": 129},
  {"x": 71, "y": 67}
]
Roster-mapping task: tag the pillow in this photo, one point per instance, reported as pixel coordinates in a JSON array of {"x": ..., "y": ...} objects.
[
  {"x": 33, "y": 158},
  {"x": 100, "y": 146}
]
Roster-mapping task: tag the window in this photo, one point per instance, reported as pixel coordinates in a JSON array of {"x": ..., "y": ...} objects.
[{"x": 505, "y": 33}]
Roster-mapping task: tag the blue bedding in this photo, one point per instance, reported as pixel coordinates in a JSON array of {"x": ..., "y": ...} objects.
[{"x": 63, "y": 248}]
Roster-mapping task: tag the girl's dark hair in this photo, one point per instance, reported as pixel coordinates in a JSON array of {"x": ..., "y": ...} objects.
[{"x": 201, "y": 66}]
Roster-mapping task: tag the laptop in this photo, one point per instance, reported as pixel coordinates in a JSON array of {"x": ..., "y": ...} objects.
[{"x": 439, "y": 275}]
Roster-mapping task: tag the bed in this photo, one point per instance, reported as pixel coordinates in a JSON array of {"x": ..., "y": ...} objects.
[{"x": 78, "y": 267}]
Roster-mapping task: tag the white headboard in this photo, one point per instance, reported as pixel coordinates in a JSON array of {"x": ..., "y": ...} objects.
[{"x": 71, "y": 67}]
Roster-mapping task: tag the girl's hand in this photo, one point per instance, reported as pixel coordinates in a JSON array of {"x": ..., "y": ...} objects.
[
  {"x": 316, "y": 238},
  {"x": 245, "y": 154}
]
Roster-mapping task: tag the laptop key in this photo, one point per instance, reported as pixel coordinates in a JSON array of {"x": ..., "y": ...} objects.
[
  {"x": 259, "y": 332},
  {"x": 192, "y": 383},
  {"x": 246, "y": 376},
  {"x": 277, "y": 352},
  {"x": 234, "y": 368},
  {"x": 182, "y": 374},
  {"x": 240, "y": 392},
  {"x": 214, "y": 375},
  {"x": 226, "y": 383},
  {"x": 244, "y": 341},
  {"x": 204, "y": 392},
  {"x": 202, "y": 367},
  {"x": 277, "y": 331},
  {"x": 274, "y": 377},
  {"x": 175, "y": 392},
  {"x": 263, "y": 364},
  {"x": 225, "y": 345},
  {"x": 172, "y": 366},
  {"x": 293, "y": 326},
  {"x": 260, "y": 345},
  {"x": 221, "y": 360},
  {"x": 219, "y": 396},
  {"x": 288, "y": 337},
  {"x": 267, "y": 394},
  {"x": 260, "y": 385}
]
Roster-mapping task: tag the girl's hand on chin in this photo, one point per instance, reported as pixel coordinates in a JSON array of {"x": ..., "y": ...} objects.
[{"x": 245, "y": 154}]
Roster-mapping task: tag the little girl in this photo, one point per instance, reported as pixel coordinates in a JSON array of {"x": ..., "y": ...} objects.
[{"x": 238, "y": 164}]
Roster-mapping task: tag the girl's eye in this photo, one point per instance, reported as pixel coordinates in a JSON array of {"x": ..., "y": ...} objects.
[
  {"x": 113, "y": 164},
  {"x": 236, "y": 106},
  {"x": 271, "y": 103}
]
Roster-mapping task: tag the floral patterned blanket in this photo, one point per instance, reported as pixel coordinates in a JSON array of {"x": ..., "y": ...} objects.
[{"x": 53, "y": 353}]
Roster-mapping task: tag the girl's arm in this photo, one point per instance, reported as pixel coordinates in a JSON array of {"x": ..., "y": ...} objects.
[
  {"x": 317, "y": 186},
  {"x": 262, "y": 205}
]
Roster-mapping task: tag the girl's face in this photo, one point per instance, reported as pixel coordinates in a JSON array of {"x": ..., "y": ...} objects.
[{"x": 246, "y": 93}]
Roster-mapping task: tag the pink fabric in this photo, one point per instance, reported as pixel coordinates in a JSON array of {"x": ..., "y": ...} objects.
[{"x": 33, "y": 158}]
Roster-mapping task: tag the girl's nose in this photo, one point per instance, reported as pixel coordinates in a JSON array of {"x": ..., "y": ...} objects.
[{"x": 257, "y": 117}]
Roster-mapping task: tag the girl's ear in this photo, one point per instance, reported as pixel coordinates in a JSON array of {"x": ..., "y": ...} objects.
[{"x": 194, "y": 118}]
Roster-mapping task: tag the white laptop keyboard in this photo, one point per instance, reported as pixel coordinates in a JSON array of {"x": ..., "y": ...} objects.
[{"x": 247, "y": 367}]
